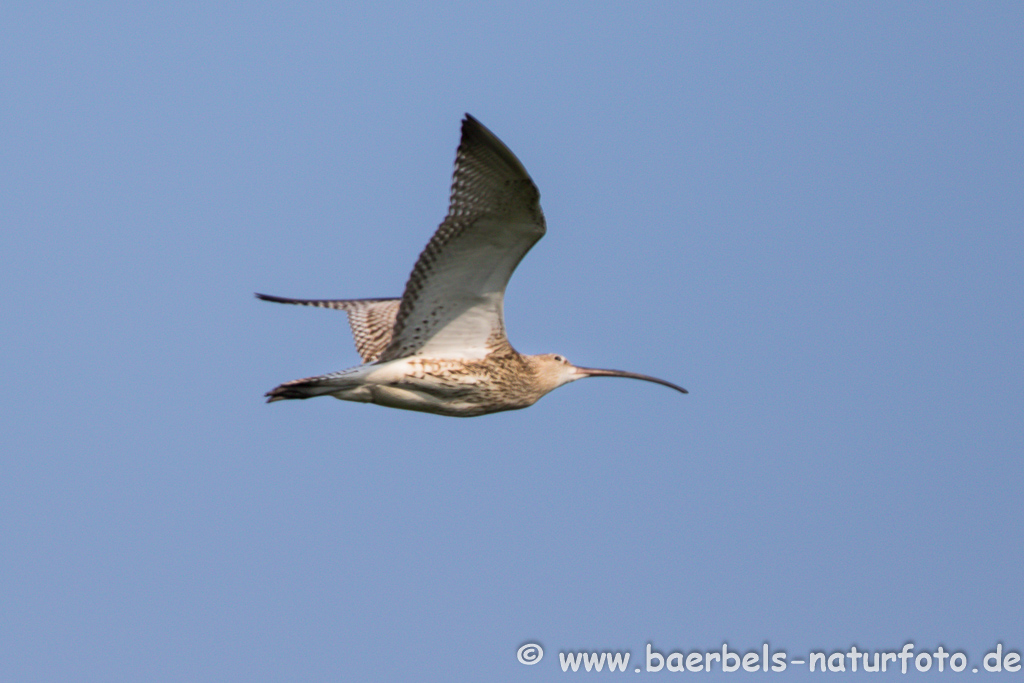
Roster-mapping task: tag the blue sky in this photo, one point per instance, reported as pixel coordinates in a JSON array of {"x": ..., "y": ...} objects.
[{"x": 808, "y": 214}]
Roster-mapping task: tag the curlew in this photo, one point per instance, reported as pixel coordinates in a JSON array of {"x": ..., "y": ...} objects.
[{"x": 442, "y": 348}]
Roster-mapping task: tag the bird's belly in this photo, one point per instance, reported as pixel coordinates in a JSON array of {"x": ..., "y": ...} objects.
[
  {"x": 469, "y": 405},
  {"x": 434, "y": 386}
]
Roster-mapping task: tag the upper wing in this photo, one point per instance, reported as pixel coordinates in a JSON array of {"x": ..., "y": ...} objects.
[
  {"x": 371, "y": 320},
  {"x": 452, "y": 305}
]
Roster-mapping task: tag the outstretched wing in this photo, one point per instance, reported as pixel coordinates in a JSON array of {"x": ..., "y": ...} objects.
[
  {"x": 371, "y": 320},
  {"x": 452, "y": 305}
]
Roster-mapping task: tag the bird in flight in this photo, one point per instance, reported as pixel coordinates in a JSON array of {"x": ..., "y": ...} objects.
[{"x": 442, "y": 348}]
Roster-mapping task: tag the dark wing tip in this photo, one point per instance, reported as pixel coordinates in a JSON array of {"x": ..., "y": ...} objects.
[
  {"x": 277, "y": 299},
  {"x": 473, "y": 129},
  {"x": 475, "y": 132}
]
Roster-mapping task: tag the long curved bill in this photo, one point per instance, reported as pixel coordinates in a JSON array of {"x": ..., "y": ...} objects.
[{"x": 597, "y": 372}]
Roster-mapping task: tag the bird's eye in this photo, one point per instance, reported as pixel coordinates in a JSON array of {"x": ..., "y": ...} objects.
[{"x": 560, "y": 359}]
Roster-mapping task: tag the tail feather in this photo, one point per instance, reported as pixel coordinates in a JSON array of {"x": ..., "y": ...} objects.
[
  {"x": 311, "y": 387},
  {"x": 290, "y": 390}
]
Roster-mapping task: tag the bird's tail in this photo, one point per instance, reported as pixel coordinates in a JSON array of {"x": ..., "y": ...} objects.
[{"x": 311, "y": 387}]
